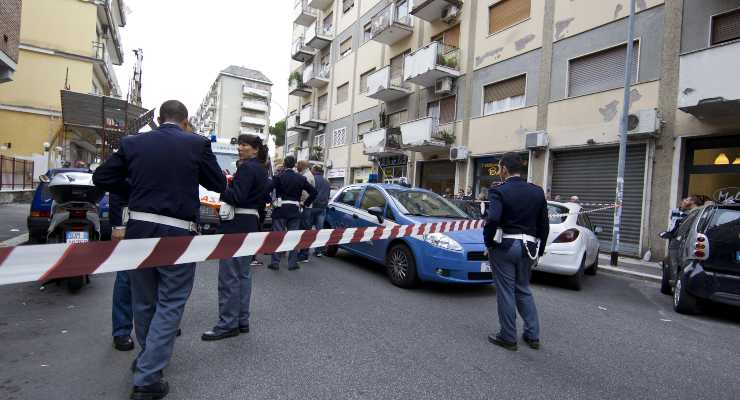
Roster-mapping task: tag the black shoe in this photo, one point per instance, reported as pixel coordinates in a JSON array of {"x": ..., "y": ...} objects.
[
  {"x": 244, "y": 329},
  {"x": 495, "y": 339},
  {"x": 155, "y": 391},
  {"x": 273, "y": 267},
  {"x": 294, "y": 268},
  {"x": 534, "y": 344},
  {"x": 178, "y": 333},
  {"x": 123, "y": 343},
  {"x": 211, "y": 336}
]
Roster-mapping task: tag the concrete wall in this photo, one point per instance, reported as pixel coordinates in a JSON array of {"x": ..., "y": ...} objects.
[
  {"x": 528, "y": 64},
  {"x": 64, "y": 25},
  {"x": 501, "y": 132},
  {"x": 511, "y": 42},
  {"x": 576, "y": 16},
  {"x": 697, "y": 17},
  {"x": 230, "y": 104}
]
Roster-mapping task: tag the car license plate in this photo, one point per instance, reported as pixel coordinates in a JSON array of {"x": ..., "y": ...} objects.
[
  {"x": 77, "y": 237},
  {"x": 485, "y": 267}
]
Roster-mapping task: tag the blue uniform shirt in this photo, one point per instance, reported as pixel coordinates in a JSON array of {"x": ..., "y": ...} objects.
[{"x": 289, "y": 186}]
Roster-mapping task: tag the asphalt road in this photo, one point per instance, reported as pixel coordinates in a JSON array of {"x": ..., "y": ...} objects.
[
  {"x": 13, "y": 220},
  {"x": 337, "y": 329}
]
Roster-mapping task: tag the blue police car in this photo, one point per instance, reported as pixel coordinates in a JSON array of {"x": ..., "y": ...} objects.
[
  {"x": 454, "y": 257},
  {"x": 40, "y": 214}
]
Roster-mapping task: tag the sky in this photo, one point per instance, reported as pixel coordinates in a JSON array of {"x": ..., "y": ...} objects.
[{"x": 187, "y": 42}]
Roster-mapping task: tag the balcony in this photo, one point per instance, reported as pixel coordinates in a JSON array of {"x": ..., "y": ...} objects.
[
  {"x": 433, "y": 10},
  {"x": 382, "y": 142},
  {"x": 316, "y": 76},
  {"x": 256, "y": 92},
  {"x": 304, "y": 14},
  {"x": 254, "y": 105},
  {"x": 316, "y": 154},
  {"x": 258, "y": 121},
  {"x": 249, "y": 131},
  {"x": 710, "y": 95},
  {"x": 430, "y": 63},
  {"x": 389, "y": 26},
  {"x": 320, "y": 4},
  {"x": 311, "y": 118},
  {"x": 296, "y": 87},
  {"x": 301, "y": 52},
  {"x": 292, "y": 123},
  {"x": 387, "y": 84},
  {"x": 426, "y": 135},
  {"x": 319, "y": 36}
]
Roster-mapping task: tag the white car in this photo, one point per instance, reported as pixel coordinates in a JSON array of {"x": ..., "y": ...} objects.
[{"x": 572, "y": 246}]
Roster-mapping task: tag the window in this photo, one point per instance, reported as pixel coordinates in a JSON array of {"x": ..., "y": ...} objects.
[
  {"x": 367, "y": 32},
  {"x": 450, "y": 37},
  {"x": 726, "y": 27},
  {"x": 396, "y": 119},
  {"x": 557, "y": 214},
  {"x": 372, "y": 198},
  {"x": 345, "y": 47},
  {"x": 507, "y": 13},
  {"x": 342, "y": 93},
  {"x": 442, "y": 110},
  {"x": 600, "y": 71},
  {"x": 347, "y": 5},
  {"x": 362, "y": 129},
  {"x": 328, "y": 23},
  {"x": 318, "y": 141},
  {"x": 339, "y": 137},
  {"x": 349, "y": 196},
  {"x": 322, "y": 108},
  {"x": 503, "y": 96},
  {"x": 363, "y": 81}
]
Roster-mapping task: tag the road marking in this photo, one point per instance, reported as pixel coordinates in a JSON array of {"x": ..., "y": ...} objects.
[
  {"x": 628, "y": 272},
  {"x": 15, "y": 241}
]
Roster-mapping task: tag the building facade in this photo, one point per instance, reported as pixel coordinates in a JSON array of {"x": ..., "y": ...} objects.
[
  {"x": 64, "y": 45},
  {"x": 237, "y": 102},
  {"x": 437, "y": 90},
  {"x": 10, "y": 32}
]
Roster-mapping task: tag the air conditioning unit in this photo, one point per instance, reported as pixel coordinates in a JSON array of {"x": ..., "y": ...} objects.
[
  {"x": 536, "y": 140},
  {"x": 643, "y": 123},
  {"x": 458, "y": 153},
  {"x": 450, "y": 13},
  {"x": 444, "y": 86}
]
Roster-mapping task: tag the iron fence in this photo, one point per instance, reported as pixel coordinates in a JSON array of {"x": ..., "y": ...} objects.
[{"x": 15, "y": 174}]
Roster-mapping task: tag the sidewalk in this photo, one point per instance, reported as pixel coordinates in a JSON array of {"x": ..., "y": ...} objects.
[{"x": 631, "y": 267}]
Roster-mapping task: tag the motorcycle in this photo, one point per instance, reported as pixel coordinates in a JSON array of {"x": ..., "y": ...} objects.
[{"x": 75, "y": 216}]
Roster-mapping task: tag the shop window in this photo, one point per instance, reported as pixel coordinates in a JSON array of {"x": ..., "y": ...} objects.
[
  {"x": 487, "y": 172},
  {"x": 726, "y": 27},
  {"x": 600, "y": 71},
  {"x": 504, "y": 96},
  {"x": 342, "y": 93},
  {"x": 712, "y": 168},
  {"x": 506, "y": 13}
]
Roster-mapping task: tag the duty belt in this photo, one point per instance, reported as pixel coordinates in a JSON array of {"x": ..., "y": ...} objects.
[
  {"x": 163, "y": 220},
  {"x": 294, "y": 202},
  {"x": 521, "y": 236},
  {"x": 247, "y": 211}
]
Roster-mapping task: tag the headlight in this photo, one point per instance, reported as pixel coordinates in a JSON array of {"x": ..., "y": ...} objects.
[{"x": 442, "y": 241}]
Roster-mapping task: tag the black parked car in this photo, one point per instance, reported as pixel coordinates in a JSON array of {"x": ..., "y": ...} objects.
[{"x": 703, "y": 262}]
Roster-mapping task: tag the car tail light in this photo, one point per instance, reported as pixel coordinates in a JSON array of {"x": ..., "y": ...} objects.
[
  {"x": 41, "y": 214},
  {"x": 567, "y": 236},
  {"x": 80, "y": 214},
  {"x": 701, "y": 247}
]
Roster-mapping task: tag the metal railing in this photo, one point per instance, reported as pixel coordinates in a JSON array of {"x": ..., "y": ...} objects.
[
  {"x": 387, "y": 17},
  {"x": 448, "y": 56},
  {"x": 15, "y": 174}
]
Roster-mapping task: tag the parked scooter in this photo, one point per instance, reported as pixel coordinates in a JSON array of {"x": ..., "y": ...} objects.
[{"x": 75, "y": 215}]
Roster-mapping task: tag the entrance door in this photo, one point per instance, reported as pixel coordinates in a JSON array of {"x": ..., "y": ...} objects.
[{"x": 438, "y": 176}]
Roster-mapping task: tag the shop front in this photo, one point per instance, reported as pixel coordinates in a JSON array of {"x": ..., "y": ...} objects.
[
  {"x": 437, "y": 176},
  {"x": 712, "y": 168},
  {"x": 361, "y": 174},
  {"x": 487, "y": 173},
  {"x": 335, "y": 176},
  {"x": 392, "y": 169}
]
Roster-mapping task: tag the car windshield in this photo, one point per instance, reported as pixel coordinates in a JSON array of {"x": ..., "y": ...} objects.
[
  {"x": 424, "y": 204},
  {"x": 724, "y": 216},
  {"x": 557, "y": 213}
]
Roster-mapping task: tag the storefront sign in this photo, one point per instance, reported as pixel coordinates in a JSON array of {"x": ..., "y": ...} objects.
[
  {"x": 393, "y": 161},
  {"x": 336, "y": 173},
  {"x": 727, "y": 195}
]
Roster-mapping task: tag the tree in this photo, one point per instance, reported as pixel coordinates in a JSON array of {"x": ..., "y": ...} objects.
[{"x": 279, "y": 131}]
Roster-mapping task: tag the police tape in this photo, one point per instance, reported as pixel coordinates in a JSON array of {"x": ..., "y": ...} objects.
[
  {"x": 582, "y": 211},
  {"x": 53, "y": 261}
]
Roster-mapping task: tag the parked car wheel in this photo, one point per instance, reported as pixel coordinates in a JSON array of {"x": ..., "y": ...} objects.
[
  {"x": 576, "y": 281},
  {"x": 593, "y": 268},
  {"x": 683, "y": 301},
  {"x": 665, "y": 280},
  {"x": 401, "y": 266}
]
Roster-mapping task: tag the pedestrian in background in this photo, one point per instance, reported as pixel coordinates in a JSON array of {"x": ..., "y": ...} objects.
[
  {"x": 159, "y": 172},
  {"x": 289, "y": 187},
  {"x": 318, "y": 207},
  {"x": 245, "y": 194},
  {"x": 304, "y": 168},
  {"x": 519, "y": 210}
]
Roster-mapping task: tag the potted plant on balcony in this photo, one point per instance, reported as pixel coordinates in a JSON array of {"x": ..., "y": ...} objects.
[
  {"x": 447, "y": 137},
  {"x": 295, "y": 79},
  {"x": 317, "y": 153},
  {"x": 449, "y": 60}
]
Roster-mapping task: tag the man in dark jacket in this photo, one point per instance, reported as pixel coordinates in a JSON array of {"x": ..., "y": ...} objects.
[
  {"x": 515, "y": 234},
  {"x": 318, "y": 208}
]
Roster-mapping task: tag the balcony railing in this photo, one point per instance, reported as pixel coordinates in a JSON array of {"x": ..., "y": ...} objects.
[
  {"x": 313, "y": 118},
  {"x": 319, "y": 36},
  {"x": 316, "y": 76},
  {"x": 432, "y": 62},
  {"x": 304, "y": 14},
  {"x": 382, "y": 142},
  {"x": 320, "y": 4},
  {"x": 715, "y": 95},
  {"x": 293, "y": 123},
  {"x": 301, "y": 51},
  {"x": 387, "y": 84},
  {"x": 256, "y": 92},
  {"x": 427, "y": 134},
  {"x": 388, "y": 26},
  {"x": 433, "y": 10},
  {"x": 254, "y": 105},
  {"x": 259, "y": 121},
  {"x": 296, "y": 87}
]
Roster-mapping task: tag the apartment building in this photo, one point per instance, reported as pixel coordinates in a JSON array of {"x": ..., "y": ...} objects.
[
  {"x": 64, "y": 45},
  {"x": 237, "y": 102},
  {"x": 437, "y": 90},
  {"x": 10, "y": 29}
]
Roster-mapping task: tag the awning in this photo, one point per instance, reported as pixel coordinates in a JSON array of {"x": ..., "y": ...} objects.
[{"x": 714, "y": 110}]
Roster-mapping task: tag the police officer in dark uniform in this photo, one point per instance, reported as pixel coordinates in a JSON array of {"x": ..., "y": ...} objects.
[
  {"x": 159, "y": 173},
  {"x": 245, "y": 194},
  {"x": 515, "y": 234},
  {"x": 289, "y": 186}
]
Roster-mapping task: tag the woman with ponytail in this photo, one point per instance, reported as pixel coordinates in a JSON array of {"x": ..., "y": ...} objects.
[{"x": 245, "y": 194}]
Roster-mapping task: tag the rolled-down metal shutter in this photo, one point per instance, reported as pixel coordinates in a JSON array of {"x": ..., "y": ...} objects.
[
  {"x": 592, "y": 175},
  {"x": 600, "y": 71}
]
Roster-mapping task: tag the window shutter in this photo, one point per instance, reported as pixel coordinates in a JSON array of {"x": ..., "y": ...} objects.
[
  {"x": 726, "y": 27},
  {"x": 502, "y": 90},
  {"x": 506, "y": 13},
  {"x": 600, "y": 71},
  {"x": 396, "y": 119},
  {"x": 447, "y": 112},
  {"x": 345, "y": 46}
]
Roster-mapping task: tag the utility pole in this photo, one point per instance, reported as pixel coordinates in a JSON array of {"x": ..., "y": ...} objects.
[{"x": 623, "y": 126}]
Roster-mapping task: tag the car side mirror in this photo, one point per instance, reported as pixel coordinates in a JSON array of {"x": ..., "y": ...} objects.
[
  {"x": 44, "y": 179},
  {"x": 598, "y": 230},
  {"x": 376, "y": 211}
]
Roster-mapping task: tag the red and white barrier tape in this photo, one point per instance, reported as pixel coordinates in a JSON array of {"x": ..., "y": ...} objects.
[
  {"x": 595, "y": 210},
  {"x": 51, "y": 261}
]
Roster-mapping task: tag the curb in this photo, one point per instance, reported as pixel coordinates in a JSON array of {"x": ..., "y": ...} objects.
[
  {"x": 632, "y": 274},
  {"x": 16, "y": 241}
]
